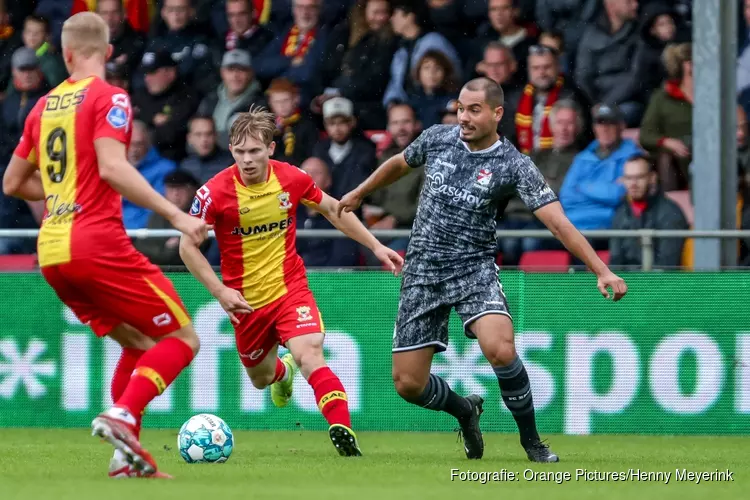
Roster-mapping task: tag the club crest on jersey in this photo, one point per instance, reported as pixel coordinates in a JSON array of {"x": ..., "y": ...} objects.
[
  {"x": 195, "y": 208},
  {"x": 484, "y": 178},
  {"x": 303, "y": 313},
  {"x": 117, "y": 117},
  {"x": 284, "y": 201}
]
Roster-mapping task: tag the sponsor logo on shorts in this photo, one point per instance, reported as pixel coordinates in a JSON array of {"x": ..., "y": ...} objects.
[
  {"x": 162, "y": 319},
  {"x": 284, "y": 202},
  {"x": 256, "y": 354},
  {"x": 303, "y": 314}
]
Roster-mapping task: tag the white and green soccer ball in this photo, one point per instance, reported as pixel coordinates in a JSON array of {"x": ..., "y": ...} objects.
[{"x": 205, "y": 438}]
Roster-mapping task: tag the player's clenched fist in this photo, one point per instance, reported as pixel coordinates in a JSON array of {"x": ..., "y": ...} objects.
[
  {"x": 233, "y": 302},
  {"x": 192, "y": 227},
  {"x": 611, "y": 280},
  {"x": 349, "y": 203}
]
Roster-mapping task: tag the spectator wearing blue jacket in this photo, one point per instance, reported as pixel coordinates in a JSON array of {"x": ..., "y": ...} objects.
[
  {"x": 412, "y": 24},
  {"x": 296, "y": 53},
  {"x": 144, "y": 156},
  {"x": 592, "y": 189}
]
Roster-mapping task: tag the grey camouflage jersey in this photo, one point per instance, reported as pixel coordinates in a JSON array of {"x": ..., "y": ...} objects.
[{"x": 454, "y": 230}]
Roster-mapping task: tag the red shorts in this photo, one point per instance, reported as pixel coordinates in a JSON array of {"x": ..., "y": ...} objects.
[
  {"x": 292, "y": 315},
  {"x": 105, "y": 293}
]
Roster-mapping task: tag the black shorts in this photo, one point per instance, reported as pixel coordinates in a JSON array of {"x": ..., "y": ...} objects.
[{"x": 424, "y": 309}]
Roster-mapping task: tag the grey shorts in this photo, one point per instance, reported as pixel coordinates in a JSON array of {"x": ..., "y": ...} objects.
[{"x": 424, "y": 310}]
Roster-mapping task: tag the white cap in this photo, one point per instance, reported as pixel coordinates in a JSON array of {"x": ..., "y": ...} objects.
[{"x": 338, "y": 106}]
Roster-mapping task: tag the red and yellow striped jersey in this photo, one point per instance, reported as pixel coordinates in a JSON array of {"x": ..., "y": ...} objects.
[
  {"x": 255, "y": 227},
  {"x": 83, "y": 214}
]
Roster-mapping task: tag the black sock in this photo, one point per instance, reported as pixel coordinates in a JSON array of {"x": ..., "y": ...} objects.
[
  {"x": 438, "y": 396},
  {"x": 516, "y": 392}
]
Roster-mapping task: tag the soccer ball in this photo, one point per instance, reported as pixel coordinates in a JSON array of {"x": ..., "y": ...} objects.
[{"x": 205, "y": 439}]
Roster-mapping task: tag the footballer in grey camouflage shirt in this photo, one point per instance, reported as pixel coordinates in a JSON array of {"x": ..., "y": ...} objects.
[{"x": 470, "y": 174}]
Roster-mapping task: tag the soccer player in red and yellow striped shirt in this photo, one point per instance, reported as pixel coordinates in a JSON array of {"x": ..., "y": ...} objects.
[
  {"x": 72, "y": 156},
  {"x": 252, "y": 205}
]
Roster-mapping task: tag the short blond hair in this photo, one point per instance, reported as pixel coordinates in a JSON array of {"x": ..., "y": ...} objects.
[
  {"x": 85, "y": 33},
  {"x": 258, "y": 122}
]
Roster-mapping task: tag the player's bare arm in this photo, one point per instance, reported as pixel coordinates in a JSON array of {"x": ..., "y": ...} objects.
[
  {"x": 22, "y": 180},
  {"x": 389, "y": 172},
  {"x": 115, "y": 169},
  {"x": 231, "y": 300},
  {"x": 350, "y": 225},
  {"x": 554, "y": 218}
]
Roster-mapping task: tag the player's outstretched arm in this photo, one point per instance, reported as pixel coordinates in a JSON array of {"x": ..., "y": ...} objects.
[
  {"x": 115, "y": 170},
  {"x": 231, "y": 300},
  {"x": 554, "y": 218},
  {"x": 22, "y": 180},
  {"x": 350, "y": 225},
  {"x": 389, "y": 172}
]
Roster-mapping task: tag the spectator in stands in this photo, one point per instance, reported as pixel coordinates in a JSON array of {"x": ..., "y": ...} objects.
[
  {"x": 10, "y": 40},
  {"x": 591, "y": 190},
  {"x": 359, "y": 54},
  {"x": 743, "y": 151},
  {"x": 152, "y": 166},
  {"x": 499, "y": 64},
  {"x": 166, "y": 104},
  {"x": 435, "y": 86},
  {"x": 296, "y": 53},
  {"x": 206, "y": 159},
  {"x": 36, "y": 36},
  {"x": 605, "y": 61},
  {"x": 567, "y": 17},
  {"x": 127, "y": 44},
  {"x": 322, "y": 252},
  {"x": 743, "y": 59},
  {"x": 244, "y": 32},
  {"x": 667, "y": 127},
  {"x": 657, "y": 31},
  {"x": 526, "y": 118},
  {"x": 296, "y": 135},
  {"x": 410, "y": 21},
  {"x": 566, "y": 124},
  {"x": 118, "y": 75},
  {"x": 395, "y": 206},
  {"x": 503, "y": 26},
  {"x": 27, "y": 87},
  {"x": 192, "y": 50},
  {"x": 449, "y": 115},
  {"x": 555, "y": 40},
  {"x": 179, "y": 188},
  {"x": 646, "y": 207},
  {"x": 238, "y": 91},
  {"x": 351, "y": 159}
]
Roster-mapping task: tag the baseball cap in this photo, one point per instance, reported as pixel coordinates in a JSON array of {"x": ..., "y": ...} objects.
[
  {"x": 607, "y": 113},
  {"x": 238, "y": 58},
  {"x": 153, "y": 61},
  {"x": 338, "y": 106},
  {"x": 25, "y": 58}
]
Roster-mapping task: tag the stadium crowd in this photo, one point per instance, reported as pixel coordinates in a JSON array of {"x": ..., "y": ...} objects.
[{"x": 598, "y": 92}]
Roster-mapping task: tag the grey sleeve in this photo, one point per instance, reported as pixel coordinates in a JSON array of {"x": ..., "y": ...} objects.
[
  {"x": 415, "y": 153},
  {"x": 531, "y": 186}
]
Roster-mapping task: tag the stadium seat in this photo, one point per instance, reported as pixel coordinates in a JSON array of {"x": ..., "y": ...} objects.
[
  {"x": 604, "y": 255},
  {"x": 551, "y": 261},
  {"x": 499, "y": 259},
  {"x": 682, "y": 198},
  {"x": 17, "y": 263}
]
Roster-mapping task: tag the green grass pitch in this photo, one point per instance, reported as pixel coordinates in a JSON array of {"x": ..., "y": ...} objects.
[{"x": 37, "y": 464}]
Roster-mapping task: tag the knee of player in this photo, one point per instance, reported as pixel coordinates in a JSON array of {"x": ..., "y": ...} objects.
[
  {"x": 187, "y": 335},
  {"x": 261, "y": 381},
  {"x": 501, "y": 353},
  {"x": 407, "y": 386},
  {"x": 309, "y": 358}
]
